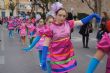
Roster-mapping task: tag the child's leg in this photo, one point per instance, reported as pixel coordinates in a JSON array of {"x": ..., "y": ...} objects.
[
  {"x": 18, "y": 31},
  {"x": 40, "y": 56},
  {"x": 31, "y": 39},
  {"x": 19, "y": 37},
  {"x": 12, "y": 33},
  {"x": 9, "y": 34},
  {"x": 24, "y": 40},
  {"x": 48, "y": 66}
]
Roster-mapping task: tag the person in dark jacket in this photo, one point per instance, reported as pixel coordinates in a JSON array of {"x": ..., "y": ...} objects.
[{"x": 85, "y": 30}]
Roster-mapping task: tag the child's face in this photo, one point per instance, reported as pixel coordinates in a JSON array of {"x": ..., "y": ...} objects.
[
  {"x": 41, "y": 22},
  {"x": 61, "y": 16},
  {"x": 50, "y": 20}
]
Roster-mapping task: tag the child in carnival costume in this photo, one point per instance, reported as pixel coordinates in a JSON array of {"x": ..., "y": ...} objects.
[
  {"x": 10, "y": 27},
  {"x": 31, "y": 28},
  {"x": 39, "y": 45},
  {"x": 23, "y": 32},
  {"x": 103, "y": 49},
  {"x": 58, "y": 41}
]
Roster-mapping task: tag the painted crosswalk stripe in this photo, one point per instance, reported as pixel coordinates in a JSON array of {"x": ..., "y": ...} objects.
[
  {"x": 80, "y": 39},
  {"x": 2, "y": 60},
  {"x": 92, "y": 57},
  {"x": 2, "y": 37}
]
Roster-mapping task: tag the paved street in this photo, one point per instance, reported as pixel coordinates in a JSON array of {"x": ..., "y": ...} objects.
[{"x": 14, "y": 60}]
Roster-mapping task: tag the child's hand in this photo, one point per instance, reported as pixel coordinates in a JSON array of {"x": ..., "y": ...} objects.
[{"x": 26, "y": 49}]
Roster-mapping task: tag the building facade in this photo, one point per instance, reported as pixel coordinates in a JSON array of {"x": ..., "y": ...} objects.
[
  {"x": 75, "y": 6},
  {"x": 20, "y": 5},
  {"x": 4, "y": 11}
]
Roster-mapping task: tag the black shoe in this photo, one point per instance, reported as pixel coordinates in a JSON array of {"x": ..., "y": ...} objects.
[
  {"x": 86, "y": 47},
  {"x": 0, "y": 40}
]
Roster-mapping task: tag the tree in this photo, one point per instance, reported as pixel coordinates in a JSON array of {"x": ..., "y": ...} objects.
[
  {"x": 12, "y": 6},
  {"x": 94, "y": 5},
  {"x": 46, "y": 2},
  {"x": 41, "y": 3}
]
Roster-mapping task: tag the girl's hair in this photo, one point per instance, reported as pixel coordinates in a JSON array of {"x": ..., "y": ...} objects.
[
  {"x": 39, "y": 20},
  {"x": 48, "y": 17},
  {"x": 59, "y": 10},
  {"x": 106, "y": 15}
]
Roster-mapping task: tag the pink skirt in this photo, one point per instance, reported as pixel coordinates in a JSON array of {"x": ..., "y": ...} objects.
[{"x": 62, "y": 56}]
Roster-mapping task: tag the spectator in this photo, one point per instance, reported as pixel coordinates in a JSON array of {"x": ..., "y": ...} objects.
[
  {"x": 85, "y": 30},
  {"x": 102, "y": 28}
]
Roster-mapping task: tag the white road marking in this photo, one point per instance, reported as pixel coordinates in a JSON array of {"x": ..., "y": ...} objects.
[
  {"x": 2, "y": 38},
  {"x": 92, "y": 57},
  {"x": 77, "y": 39},
  {"x": 89, "y": 56},
  {"x": 2, "y": 60}
]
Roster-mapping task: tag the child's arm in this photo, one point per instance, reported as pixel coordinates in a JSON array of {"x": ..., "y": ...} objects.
[
  {"x": 87, "y": 19},
  {"x": 33, "y": 43},
  {"x": 44, "y": 52},
  {"x": 99, "y": 55}
]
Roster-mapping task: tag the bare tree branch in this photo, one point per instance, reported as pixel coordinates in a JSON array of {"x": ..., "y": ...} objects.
[{"x": 89, "y": 5}]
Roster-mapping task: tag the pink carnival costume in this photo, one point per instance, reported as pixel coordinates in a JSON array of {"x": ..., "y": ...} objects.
[
  {"x": 23, "y": 30},
  {"x": 61, "y": 50},
  {"x": 40, "y": 28},
  {"x": 104, "y": 45},
  {"x": 10, "y": 28},
  {"x": 31, "y": 31},
  {"x": 39, "y": 45}
]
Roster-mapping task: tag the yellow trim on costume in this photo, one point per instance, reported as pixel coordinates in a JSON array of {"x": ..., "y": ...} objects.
[
  {"x": 72, "y": 50},
  {"x": 61, "y": 39}
]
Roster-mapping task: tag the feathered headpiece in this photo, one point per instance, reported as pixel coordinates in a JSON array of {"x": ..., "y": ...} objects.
[
  {"x": 38, "y": 17},
  {"x": 54, "y": 7}
]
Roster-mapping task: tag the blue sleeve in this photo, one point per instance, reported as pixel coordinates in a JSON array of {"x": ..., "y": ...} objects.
[
  {"x": 92, "y": 65},
  {"x": 35, "y": 41},
  {"x": 33, "y": 44},
  {"x": 44, "y": 57},
  {"x": 87, "y": 19}
]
